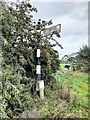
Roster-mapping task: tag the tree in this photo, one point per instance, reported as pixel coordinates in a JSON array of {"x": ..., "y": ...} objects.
[
  {"x": 83, "y": 58},
  {"x": 20, "y": 39},
  {"x": 80, "y": 60}
]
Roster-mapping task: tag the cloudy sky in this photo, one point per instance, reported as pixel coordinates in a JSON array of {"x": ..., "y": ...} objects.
[{"x": 73, "y": 17}]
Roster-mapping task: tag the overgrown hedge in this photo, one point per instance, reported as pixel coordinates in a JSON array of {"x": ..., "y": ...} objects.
[{"x": 20, "y": 38}]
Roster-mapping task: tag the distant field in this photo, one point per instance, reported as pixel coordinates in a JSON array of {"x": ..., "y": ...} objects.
[{"x": 62, "y": 66}]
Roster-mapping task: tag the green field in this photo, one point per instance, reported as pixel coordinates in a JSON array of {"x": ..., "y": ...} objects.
[{"x": 78, "y": 83}]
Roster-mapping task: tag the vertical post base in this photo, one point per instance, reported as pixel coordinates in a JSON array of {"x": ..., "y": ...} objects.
[
  {"x": 41, "y": 89},
  {"x": 42, "y": 93}
]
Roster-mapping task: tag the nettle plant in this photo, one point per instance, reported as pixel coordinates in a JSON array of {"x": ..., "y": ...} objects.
[{"x": 20, "y": 38}]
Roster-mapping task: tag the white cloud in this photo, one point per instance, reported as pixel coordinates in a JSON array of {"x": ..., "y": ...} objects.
[
  {"x": 71, "y": 44},
  {"x": 72, "y": 16},
  {"x": 71, "y": 26},
  {"x": 74, "y": 30}
]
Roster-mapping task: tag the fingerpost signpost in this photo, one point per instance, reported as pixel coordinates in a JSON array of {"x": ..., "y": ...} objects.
[{"x": 40, "y": 83}]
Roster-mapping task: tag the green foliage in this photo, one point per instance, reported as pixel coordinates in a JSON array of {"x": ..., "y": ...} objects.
[
  {"x": 20, "y": 38},
  {"x": 80, "y": 86},
  {"x": 84, "y": 56},
  {"x": 49, "y": 104},
  {"x": 61, "y": 78},
  {"x": 16, "y": 95},
  {"x": 79, "y": 60}
]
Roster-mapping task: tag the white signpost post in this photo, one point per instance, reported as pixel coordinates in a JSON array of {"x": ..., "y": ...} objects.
[{"x": 45, "y": 33}]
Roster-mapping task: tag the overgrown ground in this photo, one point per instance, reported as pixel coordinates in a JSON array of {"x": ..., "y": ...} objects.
[
  {"x": 68, "y": 98},
  {"x": 78, "y": 83}
]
